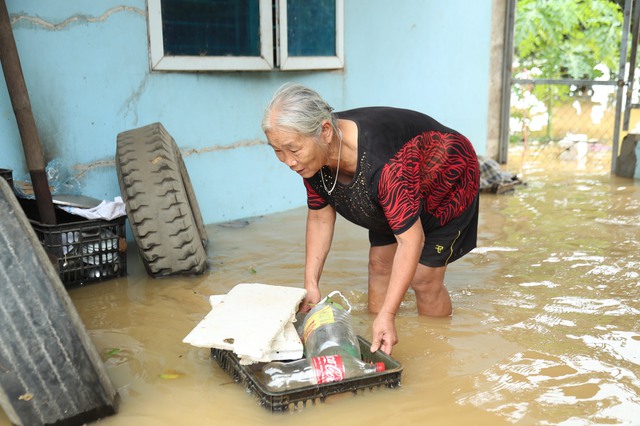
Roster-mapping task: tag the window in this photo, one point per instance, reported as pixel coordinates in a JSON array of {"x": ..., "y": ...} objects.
[{"x": 233, "y": 35}]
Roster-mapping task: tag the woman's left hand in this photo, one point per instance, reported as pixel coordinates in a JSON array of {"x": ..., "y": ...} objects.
[{"x": 384, "y": 335}]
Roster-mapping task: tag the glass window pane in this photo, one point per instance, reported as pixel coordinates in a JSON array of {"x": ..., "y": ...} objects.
[
  {"x": 211, "y": 27},
  {"x": 311, "y": 27}
]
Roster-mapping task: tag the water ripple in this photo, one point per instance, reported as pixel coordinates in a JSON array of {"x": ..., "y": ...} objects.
[{"x": 572, "y": 390}]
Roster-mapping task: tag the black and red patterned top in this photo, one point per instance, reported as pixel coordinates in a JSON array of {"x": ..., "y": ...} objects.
[{"x": 409, "y": 166}]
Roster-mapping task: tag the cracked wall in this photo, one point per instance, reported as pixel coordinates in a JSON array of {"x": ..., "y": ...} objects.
[{"x": 86, "y": 66}]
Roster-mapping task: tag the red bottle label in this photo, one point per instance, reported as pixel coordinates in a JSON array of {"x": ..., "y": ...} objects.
[{"x": 328, "y": 368}]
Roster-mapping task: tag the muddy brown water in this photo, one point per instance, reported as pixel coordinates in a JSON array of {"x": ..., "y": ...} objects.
[{"x": 545, "y": 328}]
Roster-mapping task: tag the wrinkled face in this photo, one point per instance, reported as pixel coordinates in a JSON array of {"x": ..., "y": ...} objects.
[{"x": 303, "y": 154}]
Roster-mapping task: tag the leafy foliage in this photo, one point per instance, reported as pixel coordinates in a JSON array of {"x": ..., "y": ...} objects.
[
  {"x": 567, "y": 38},
  {"x": 560, "y": 39}
]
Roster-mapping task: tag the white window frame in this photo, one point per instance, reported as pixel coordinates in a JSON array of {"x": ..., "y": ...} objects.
[
  {"x": 264, "y": 62},
  {"x": 311, "y": 62}
]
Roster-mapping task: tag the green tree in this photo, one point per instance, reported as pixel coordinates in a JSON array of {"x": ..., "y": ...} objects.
[
  {"x": 563, "y": 39},
  {"x": 567, "y": 38}
]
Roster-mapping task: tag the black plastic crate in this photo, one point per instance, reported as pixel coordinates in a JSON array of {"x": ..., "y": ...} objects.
[
  {"x": 82, "y": 250},
  {"x": 7, "y": 174},
  {"x": 249, "y": 376}
]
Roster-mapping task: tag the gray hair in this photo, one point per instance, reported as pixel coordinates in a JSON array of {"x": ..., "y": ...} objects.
[{"x": 299, "y": 109}]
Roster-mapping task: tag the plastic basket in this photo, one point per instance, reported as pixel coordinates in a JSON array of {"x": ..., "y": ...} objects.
[
  {"x": 82, "y": 250},
  {"x": 249, "y": 376}
]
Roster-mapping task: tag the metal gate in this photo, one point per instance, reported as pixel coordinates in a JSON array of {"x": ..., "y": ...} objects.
[{"x": 583, "y": 133}]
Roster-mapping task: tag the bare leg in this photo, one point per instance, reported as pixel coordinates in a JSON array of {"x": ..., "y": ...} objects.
[
  {"x": 380, "y": 262},
  {"x": 432, "y": 297}
]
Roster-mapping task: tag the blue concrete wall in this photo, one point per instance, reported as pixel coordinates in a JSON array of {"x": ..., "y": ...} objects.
[{"x": 87, "y": 71}]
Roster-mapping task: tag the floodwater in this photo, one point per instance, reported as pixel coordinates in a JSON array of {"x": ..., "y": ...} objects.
[{"x": 545, "y": 330}]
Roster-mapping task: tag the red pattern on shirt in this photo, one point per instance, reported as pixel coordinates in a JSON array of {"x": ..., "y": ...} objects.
[
  {"x": 314, "y": 200},
  {"x": 432, "y": 169}
]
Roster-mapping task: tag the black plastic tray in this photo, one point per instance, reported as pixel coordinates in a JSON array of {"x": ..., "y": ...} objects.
[{"x": 248, "y": 375}]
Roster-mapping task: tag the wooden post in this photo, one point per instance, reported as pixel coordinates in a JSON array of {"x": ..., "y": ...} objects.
[{"x": 24, "y": 116}]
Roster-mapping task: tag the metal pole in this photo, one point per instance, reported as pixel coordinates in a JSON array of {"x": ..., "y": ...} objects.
[
  {"x": 24, "y": 116},
  {"x": 621, "y": 83},
  {"x": 635, "y": 24},
  {"x": 564, "y": 81},
  {"x": 507, "y": 63}
]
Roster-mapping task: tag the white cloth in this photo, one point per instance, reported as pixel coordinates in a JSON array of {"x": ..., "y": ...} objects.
[{"x": 107, "y": 210}]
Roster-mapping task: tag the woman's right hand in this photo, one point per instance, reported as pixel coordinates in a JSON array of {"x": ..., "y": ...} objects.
[
  {"x": 311, "y": 299},
  {"x": 317, "y": 243}
]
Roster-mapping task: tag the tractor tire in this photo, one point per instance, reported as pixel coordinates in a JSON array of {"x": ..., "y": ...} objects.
[
  {"x": 50, "y": 370},
  {"x": 160, "y": 202}
]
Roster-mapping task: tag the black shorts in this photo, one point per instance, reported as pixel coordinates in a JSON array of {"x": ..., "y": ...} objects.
[{"x": 443, "y": 243}]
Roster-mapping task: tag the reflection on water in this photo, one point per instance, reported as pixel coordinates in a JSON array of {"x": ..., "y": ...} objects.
[{"x": 545, "y": 327}]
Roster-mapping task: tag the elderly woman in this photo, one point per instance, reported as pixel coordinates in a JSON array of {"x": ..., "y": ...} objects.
[{"x": 409, "y": 180}]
